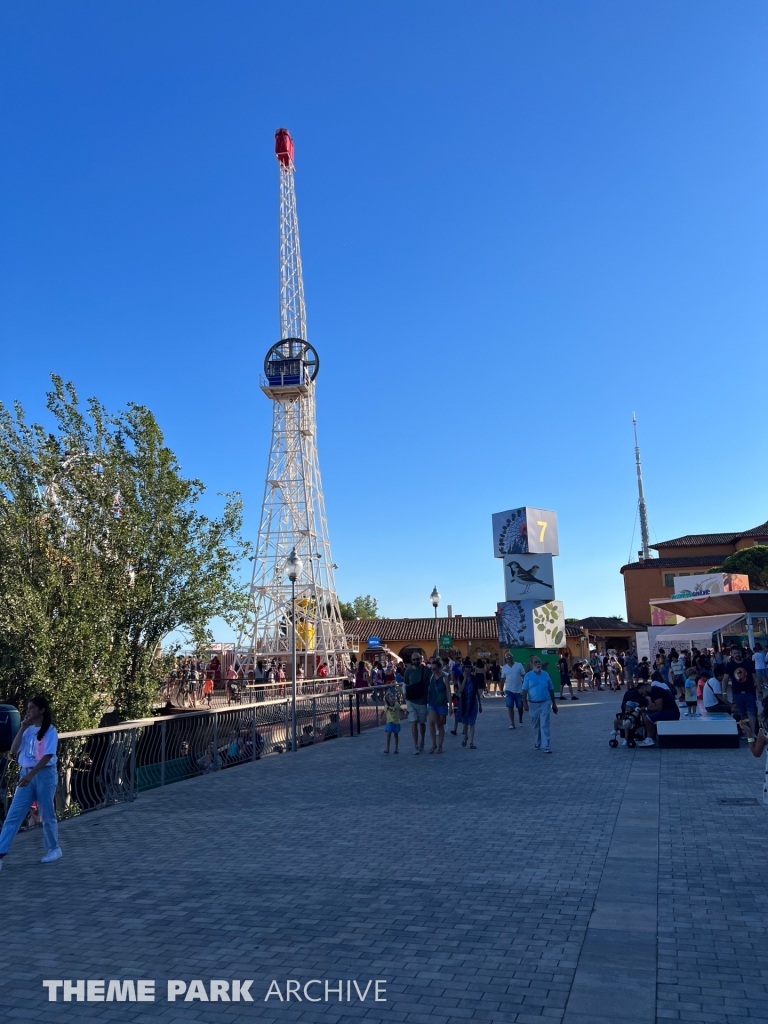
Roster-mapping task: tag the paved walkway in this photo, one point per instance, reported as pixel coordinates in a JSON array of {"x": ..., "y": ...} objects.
[{"x": 497, "y": 885}]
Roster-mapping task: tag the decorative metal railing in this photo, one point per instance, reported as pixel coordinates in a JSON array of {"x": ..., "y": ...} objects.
[{"x": 101, "y": 767}]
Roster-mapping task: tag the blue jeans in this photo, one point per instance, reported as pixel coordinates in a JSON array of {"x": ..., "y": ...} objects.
[
  {"x": 540, "y": 716},
  {"x": 41, "y": 790}
]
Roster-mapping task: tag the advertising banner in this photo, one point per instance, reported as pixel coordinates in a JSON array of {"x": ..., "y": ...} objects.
[
  {"x": 523, "y": 531},
  {"x": 705, "y": 584},
  {"x": 642, "y": 642},
  {"x": 661, "y": 617},
  {"x": 529, "y": 576}
]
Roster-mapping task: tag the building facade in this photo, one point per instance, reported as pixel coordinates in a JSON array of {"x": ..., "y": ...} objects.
[
  {"x": 473, "y": 636},
  {"x": 683, "y": 556}
]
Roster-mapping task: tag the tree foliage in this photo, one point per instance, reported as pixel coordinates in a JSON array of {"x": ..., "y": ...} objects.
[
  {"x": 362, "y": 607},
  {"x": 752, "y": 562},
  {"x": 103, "y": 554}
]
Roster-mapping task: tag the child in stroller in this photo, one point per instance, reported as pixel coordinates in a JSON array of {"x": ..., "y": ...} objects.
[{"x": 628, "y": 723}]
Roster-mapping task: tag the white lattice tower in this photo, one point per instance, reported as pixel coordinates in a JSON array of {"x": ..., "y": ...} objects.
[{"x": 293, "y": 509}]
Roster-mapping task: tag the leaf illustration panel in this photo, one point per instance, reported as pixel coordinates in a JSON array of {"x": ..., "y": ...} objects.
[{"x": 549, "y": 624}]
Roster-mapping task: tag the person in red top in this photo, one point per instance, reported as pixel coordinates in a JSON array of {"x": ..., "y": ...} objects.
[{"x": 323, "y": 671}]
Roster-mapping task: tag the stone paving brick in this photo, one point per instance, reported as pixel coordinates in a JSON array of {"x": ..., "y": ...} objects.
[{"x": 479, "y": 884}]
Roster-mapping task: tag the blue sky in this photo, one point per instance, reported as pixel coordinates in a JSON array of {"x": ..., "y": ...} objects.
[{"x": 520, "y": 222}]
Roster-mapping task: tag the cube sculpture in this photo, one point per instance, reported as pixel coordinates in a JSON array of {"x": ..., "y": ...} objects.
[
  {"x": 524, "y": 531},
  {"x": 526, "y": 539}
]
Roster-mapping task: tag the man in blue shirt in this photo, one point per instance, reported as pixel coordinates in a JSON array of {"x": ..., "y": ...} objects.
[{"x": 538, "y": 698}]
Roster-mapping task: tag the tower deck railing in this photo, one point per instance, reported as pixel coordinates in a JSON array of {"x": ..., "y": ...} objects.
[{"x": 101, "y": 767}]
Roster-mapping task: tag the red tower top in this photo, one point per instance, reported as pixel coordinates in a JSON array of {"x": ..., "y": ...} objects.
[{"x": 284, "y": 146}]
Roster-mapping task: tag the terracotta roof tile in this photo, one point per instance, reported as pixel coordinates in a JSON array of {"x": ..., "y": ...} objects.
[
  {"x": 692, "y": 540},
  {"x": 694, "y": 561},
  {"x": 604, "y": 622},
  {"x": 465, "y": 627}
]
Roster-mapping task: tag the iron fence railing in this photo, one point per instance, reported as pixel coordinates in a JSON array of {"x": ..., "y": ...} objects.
[{"x": 101, "y": 767}]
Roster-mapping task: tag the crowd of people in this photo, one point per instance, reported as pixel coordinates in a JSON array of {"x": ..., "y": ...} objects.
[
  {"x": 191, "y": 682},
  {"x": 441, "y": 689},
  {"x": 721, "y": 682}
]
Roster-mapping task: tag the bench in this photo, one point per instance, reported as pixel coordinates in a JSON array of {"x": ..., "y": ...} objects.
[{"x": 701, "y": 731}]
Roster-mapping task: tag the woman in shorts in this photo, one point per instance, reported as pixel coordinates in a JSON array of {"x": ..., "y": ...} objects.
[
  {"x": 437, "y": 704},
  {"x": 469, "y": 703}
]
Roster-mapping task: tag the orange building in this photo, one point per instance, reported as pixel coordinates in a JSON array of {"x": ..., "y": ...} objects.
[{"x": 683, "y": 556}]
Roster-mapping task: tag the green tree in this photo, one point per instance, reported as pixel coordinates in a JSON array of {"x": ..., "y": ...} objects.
[
  {"x": 753, "y": 562},
  {"x": 362, "y": 607},
  {"x": 103, "y": 554}
]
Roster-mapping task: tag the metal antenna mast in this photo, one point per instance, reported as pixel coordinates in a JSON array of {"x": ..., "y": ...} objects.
[
  {"x": 293, "y": 509},
  {"x": 641, "y": 497}
]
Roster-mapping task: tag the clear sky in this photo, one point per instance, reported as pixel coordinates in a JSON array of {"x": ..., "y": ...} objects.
[{"x": 520, "y": 222}]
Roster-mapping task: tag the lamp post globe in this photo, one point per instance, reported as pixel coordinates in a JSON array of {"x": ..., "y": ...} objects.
[
  {"x": 434, "y": 597},
  {"x": 293, "y": 568}
]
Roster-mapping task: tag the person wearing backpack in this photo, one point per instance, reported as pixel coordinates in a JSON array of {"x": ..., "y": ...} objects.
[{"x": 416, "y": 697}]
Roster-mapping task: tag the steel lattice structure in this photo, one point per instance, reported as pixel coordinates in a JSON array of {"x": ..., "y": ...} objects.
[{"x": 293, "y": 509}]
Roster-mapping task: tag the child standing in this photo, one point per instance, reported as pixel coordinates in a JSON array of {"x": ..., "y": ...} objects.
[
  {"x": 208, "y": 687},
  {"x": 392, "y": 717},
  {"x": 691, "y": 690},
  {"x": 588, "y": 674},
  {"x": 455, "y": 701}
]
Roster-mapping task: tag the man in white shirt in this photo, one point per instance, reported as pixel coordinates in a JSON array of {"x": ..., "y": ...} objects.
[
  {"x": 512, "y": 674},
  {"x": 714, "y": 700}
]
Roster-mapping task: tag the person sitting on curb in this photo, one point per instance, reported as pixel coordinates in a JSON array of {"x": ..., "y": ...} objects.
[
  {"x": 715, "y": 701},
  {"x": 662, "y": 708}
]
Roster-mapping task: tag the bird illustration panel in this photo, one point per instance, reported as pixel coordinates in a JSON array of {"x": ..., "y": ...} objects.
[{"x": 529, "y": 576}]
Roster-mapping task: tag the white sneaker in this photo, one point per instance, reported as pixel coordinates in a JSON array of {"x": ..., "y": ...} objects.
[
  {"x": 623, "y": 743},
  {"x": 511, "y": 727},
  {"x": 647, "y": 742},
  {"x": 52, "y": 855}
]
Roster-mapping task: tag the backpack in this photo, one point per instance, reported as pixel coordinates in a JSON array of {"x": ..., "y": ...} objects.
[{"x": 415, "y": 691}]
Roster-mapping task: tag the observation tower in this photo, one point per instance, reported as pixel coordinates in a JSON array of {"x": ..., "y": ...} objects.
[{"x": 293, "y": 509}]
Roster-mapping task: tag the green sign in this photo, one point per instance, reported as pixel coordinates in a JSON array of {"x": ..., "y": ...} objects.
[{"x": 446, "y": 640}]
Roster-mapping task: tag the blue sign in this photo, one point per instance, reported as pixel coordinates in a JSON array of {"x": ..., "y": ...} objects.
[{"x": 374, "y": 642}]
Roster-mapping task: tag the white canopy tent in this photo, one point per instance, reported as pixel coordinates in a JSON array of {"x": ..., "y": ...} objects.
[{"x": 694, "y": 632}]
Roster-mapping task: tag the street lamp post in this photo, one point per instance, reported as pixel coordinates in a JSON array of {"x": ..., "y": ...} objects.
[
  {"x": 294, "y": 567},
  {"x": 435, "y": 599}
]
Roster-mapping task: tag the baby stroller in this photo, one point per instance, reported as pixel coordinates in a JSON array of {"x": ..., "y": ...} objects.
[{"x": 631, "y": 720}]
